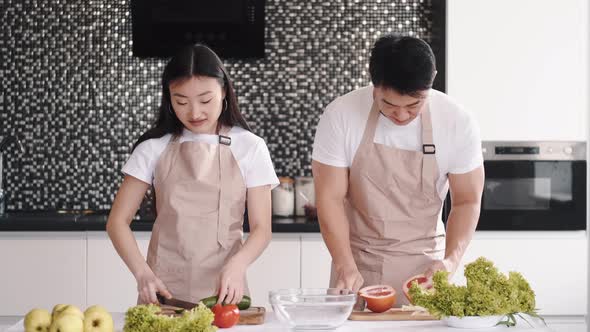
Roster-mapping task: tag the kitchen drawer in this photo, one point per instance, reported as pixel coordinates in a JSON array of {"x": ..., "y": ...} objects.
[
  {"x": 315, "y": 262},
  {"x": 41, "y": 270},
  {"x": 110, "y": 283},
  {"x": 278, "y": 267},
  {"x": 555, "y": 264}
]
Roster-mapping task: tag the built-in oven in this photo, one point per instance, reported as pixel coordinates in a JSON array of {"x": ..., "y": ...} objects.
[{"x": 532, "y": 186}]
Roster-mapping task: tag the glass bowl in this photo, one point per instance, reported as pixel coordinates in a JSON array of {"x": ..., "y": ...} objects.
[{"x": 312, "y": 308}]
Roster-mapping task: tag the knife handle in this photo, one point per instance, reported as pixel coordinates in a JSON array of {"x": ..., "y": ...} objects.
[{"x": 161, "y": 298}]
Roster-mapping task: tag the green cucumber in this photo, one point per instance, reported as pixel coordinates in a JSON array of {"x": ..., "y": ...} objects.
[{"x": 244, "y": 304}]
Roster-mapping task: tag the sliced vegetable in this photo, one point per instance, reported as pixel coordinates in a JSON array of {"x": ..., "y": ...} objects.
[
  {"x": 226, "y": 315},
  {"x": 379, "y": 298},
  {"x": 244, "y": 304}
]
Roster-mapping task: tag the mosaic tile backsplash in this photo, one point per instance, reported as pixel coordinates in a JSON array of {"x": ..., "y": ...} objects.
[{"x": 78, "y": 98}]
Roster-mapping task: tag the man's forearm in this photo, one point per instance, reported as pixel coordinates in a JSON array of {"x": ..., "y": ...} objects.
[
  {"x": 335, "y": 231},
  {"x": 460, "y": 228}
]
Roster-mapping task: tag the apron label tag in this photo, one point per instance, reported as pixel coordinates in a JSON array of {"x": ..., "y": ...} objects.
[
  {"x": 428, "y": 148},
  {"x": 225, "y": 140}
]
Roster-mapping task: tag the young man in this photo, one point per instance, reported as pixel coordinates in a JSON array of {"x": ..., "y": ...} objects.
[{"x": 384, "y": 158}]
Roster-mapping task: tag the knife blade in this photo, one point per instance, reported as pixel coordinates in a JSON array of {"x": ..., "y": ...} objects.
[{"x": 175, "y": 302}]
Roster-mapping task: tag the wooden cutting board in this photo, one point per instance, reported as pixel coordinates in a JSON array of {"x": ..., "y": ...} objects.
[
  {"x": 251, "y": 316},
  {"x": 391, "y": 314}
]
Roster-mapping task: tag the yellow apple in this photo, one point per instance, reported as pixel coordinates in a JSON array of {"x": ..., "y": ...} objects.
[
  {"x": 98, "y": 319},
  {"x": 70, "y": 310},
  {"x": 56, "y": 309},
  {"x": 67, "y": 323},
  {"x": 94, "y": 308},
  {"x": 37, "y": 320}
]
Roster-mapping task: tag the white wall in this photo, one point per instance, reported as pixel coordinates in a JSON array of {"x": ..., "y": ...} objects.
[{"x": 521, "y": 66}]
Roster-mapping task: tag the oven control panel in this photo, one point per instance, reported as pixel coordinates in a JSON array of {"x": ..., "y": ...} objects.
[{"x": 534, "y": 150}]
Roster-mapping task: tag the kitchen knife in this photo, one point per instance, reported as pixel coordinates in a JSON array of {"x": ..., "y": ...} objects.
[{"x": 175, "y": 302}]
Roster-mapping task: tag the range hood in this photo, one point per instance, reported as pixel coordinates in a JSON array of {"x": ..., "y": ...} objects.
[{"x": 232, "y": 28}]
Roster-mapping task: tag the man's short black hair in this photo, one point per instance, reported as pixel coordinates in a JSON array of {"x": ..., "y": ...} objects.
[{"x": 405, "y": 64}]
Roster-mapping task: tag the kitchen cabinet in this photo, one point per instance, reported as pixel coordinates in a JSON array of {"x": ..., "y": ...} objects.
[
  {"x": 520, "y": 66},
  {"x": 554, "y": 263},
  {"x": 110, "y": 283},
  {"x": 278, "y": 267},
  {"x": 315, "y": 262},
  {"x": 41, "y": 270},
  {"x": 549, "y": 260}
]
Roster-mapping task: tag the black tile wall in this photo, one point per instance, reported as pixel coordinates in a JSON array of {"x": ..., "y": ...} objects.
[{"x": 78, "y": 98}]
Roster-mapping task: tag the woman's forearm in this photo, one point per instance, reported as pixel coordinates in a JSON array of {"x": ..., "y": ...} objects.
[
  {"x": 257, "y": 241},
  {"x": 126, "y": 246}
]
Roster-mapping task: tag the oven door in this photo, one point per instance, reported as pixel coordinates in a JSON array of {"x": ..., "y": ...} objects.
[{"x": 532, "y": 195}]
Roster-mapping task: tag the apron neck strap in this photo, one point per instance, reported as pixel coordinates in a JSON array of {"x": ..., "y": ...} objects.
[
  {"x": 427, "y": 138},
  {"x": 225, "y": 157},
  {"x": 371, "y": 126},
  {"x": 429, "y": 166}
]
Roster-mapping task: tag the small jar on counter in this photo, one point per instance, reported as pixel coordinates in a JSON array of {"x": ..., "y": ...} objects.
[
  {"x": 283, "y": 198},
  {"x": 304, "y": 195}
]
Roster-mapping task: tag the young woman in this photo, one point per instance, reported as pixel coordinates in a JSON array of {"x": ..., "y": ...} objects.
[{"x": 204, "y": 164}]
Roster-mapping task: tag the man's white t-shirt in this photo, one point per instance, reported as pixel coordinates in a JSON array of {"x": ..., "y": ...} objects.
[
  {"x": 455, "y": 134},
  {"x": 249, "y": 150}
]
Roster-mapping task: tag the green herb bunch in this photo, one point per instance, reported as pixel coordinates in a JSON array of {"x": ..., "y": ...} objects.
[
  {"x": 144, "y": 318},
  {"x": 488, "y": 292}
]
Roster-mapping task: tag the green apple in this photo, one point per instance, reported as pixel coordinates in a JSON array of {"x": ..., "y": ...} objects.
[
  {"x": 98, "y": 319},
  {"x": 67, "y": 323},
  {"x": 37, "y": 320},
  {"x": 70, "y": 310}
]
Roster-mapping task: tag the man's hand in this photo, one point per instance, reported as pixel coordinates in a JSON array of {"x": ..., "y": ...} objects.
[
  {"x": 441, "y": 265},
  {"x": 349, "y": 277}
]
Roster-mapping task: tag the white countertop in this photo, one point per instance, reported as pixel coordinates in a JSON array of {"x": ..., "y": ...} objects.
[{"x": 556, "y": 323}]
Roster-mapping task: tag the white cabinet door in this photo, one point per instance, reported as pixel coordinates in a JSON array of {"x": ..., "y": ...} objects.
[
  {"x": 315, "y": 262},
  {"x": 278, "y": 267},
  {"x": 41, "y": 269},
  {"x": 554, "y": 264},
  {"x": 110, "y": 283},
  {"x": 513, "y": 62}
]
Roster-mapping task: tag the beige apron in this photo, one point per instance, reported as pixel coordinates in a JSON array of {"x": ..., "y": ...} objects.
[
  {"x": 393, "y": 209},
  {"x": 200, "y": 202}
]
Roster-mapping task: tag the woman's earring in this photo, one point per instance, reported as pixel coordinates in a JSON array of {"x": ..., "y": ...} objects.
[
  {"x": 170, "y": 109},
  {"x": 224, "y": 104}
]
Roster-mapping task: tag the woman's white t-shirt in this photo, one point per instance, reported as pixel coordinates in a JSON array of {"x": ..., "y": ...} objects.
[
  {"x": 455, "y": 134},
  {"x": 249, "y": 150}
]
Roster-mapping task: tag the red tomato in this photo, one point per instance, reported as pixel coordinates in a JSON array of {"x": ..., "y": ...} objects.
[{"x": 226, "y": 316}]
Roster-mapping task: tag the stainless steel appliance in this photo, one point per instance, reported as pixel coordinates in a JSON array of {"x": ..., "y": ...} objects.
[{"x": 532, "y": 186}]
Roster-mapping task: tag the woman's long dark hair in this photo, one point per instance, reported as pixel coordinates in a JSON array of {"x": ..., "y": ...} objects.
[{"x": 191, "y": 61}]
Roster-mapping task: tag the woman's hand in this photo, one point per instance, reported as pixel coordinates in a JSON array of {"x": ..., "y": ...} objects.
[
  {"x": 148, "y": 285},
  {"x": 231, "y": 282}
]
